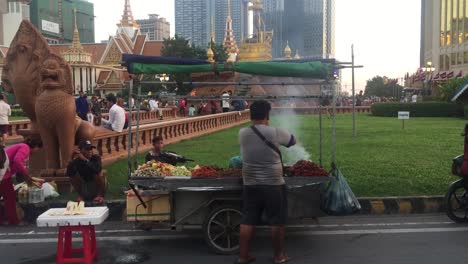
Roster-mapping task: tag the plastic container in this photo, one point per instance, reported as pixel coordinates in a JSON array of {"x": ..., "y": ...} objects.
[
  {"x": 35, "y": 195},
  {"x": 93, "y": 216}
]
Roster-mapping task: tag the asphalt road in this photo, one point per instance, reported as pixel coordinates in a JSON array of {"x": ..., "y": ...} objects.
[{"x": 335, "y": 240}]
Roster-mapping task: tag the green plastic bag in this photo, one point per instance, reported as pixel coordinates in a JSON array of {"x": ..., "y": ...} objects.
[{"x": 338, "y": 198}]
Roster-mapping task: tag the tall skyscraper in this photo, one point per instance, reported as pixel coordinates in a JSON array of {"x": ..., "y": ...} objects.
[
  {"x": 54, "y": 19},
  {"x": 192, "y": 19},
  {"x": 273, "y": 16},
  {"x": 309, "y": 26},
  {"x": 155, "y": 27}
]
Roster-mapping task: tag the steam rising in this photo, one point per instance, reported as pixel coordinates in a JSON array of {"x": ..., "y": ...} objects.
[{"x": 288, "y": 120}]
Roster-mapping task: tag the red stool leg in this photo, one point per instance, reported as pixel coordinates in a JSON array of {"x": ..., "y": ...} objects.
[
  {"x": 68, "y": 243},
  {"x": 93, "y": 243},
  {"x": 59, "y": 258},
  {"x": 87, "y": 255}
]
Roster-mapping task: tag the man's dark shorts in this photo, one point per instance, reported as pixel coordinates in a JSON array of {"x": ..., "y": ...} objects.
[
  {"x": 269, "y": 199},
  {"x": 4, "y": 129}
]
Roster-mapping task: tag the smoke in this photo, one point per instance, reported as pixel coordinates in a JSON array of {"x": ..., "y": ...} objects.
[{"x": 290, "y": 121}]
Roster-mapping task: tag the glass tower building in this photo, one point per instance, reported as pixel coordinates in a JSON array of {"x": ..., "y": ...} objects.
[
  {"x": 309, "y": 26},
  {"x": 273, "y": 16},
  {"x": 193, "y": 19}
]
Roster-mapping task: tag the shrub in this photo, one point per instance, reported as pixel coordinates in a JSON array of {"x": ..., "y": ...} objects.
[
  {"x": 17, "y": 112},
  {"x": 424, "y": 109},
  {"x": 465, "y": 111}
]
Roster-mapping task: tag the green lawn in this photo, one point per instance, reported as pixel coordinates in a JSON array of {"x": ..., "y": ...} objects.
[
  {"x": 383, "y": 160},
  {"x": 14, "y": 118}
]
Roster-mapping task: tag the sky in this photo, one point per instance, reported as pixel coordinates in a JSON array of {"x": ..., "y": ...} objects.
[{"x": 385, "y": 33}]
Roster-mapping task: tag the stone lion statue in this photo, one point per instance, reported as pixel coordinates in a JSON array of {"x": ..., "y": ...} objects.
[{"x": 42, "y": 84}]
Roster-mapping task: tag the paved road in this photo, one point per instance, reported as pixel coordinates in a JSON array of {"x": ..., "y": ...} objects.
[{"x": 335, "y": 240}]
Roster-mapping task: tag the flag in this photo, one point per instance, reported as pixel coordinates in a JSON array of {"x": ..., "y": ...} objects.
[
  {"x": 437, "y": 76},
  {"x": 459, "y": 75},
  {"x": 443, "y": 75},
  {"x": 450, "y": 75}
]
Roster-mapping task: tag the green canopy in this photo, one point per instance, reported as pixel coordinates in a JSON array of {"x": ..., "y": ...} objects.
[{"x": 159, "y": 65}]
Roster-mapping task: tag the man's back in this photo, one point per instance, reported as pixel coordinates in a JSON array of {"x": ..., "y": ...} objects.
[
  {"x": 117, "y": 118},
  {"x": 5, "y": 111},
  {"x": 261, "y": 164}
]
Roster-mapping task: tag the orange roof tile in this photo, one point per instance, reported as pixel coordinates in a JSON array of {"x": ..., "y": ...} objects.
[
  {"x": 127, "y": 40},
  {"x": 122, "y": 46},
  {"x": 152, "y": 48},
  {"x": 103, "y": 75},
  {"x": 139, "y": 44}
]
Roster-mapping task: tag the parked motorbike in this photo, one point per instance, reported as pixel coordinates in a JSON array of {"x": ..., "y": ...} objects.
[{"x": 456, "y": 199}]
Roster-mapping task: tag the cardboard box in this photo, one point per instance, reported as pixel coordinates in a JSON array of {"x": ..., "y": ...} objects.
[{"x": 157, "y": 207}]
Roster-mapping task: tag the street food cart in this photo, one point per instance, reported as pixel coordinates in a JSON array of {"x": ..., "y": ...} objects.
[{"x": 214, "y": 203}]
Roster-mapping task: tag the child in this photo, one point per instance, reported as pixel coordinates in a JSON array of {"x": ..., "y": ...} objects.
[{"x": 191, "y": 110}]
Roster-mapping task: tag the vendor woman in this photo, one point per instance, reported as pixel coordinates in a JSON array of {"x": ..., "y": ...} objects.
[
  {"x": 17, "y": 155},
  {"x": 157, "y": 154}
]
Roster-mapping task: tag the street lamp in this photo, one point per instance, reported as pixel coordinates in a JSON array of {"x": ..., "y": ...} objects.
[
  {"x": 428, "y": 69},
  {"x": 164, "y": 78}
]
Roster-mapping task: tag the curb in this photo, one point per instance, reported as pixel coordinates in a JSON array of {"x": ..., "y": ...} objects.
[{"x": 403, "y": 205}]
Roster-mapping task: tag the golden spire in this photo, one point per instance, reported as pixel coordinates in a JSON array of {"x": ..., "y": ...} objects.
[
  {"x": 127, "y": 17},
  {"x": 212, "y": 32},
  {"x": 287, "y": 51},
  {"x": 209, "y": 51},
  {"x": 297, "y": 56},
  {"x": 229, "y": 39},
  {"x": 210, "y": 54},
  {"x": 76, "y": 54},
  {"x": 76, "y": 44}
]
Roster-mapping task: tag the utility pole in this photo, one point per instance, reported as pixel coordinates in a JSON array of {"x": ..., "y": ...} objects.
[{"x": 354, "y": 92}]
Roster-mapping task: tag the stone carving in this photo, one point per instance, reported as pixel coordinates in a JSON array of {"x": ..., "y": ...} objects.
[
  {"x": 21, "y": 71},
  {"x": 42, "y": 84}
]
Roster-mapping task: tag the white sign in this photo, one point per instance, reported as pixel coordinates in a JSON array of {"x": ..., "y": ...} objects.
[
  {"x": 403, "y": 115},
  {"x": 50, "y": 26}
]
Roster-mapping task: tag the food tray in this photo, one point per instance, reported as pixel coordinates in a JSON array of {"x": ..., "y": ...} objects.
[{"x": 93, "y": 216}]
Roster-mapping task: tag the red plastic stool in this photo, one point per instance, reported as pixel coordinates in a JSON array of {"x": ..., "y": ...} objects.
[{"x": 65, "y": 249}]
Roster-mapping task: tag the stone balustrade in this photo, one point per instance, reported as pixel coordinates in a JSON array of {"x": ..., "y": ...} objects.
[
  {"x": 113, "y": 146},
  {"x": 315, "y": 110},
  {"x": 145, "y": 117}
]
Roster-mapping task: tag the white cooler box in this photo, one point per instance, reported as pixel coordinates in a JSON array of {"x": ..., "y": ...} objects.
[{"x": 93, "y": 216}]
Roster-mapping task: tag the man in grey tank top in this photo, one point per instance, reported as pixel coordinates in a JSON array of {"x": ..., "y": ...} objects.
[{"x": 264, "y": 187}]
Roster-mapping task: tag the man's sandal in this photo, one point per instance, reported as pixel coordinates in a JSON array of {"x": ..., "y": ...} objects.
[
  {"x": 285, "y": 259},
  {"x": 245, "y": 261}
]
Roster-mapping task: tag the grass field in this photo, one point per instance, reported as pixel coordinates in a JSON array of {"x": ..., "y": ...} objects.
[
  {"x": 383, "y": 160},
  {"x": 14, "y": 118}
]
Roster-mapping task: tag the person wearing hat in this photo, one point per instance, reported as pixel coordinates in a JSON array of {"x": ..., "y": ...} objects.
[{"x": 85, "y": 172}]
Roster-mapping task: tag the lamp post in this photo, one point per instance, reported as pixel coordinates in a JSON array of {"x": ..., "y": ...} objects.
[
  {"x": 428, "y": 70},
  {"x": 164, "y": 78}
]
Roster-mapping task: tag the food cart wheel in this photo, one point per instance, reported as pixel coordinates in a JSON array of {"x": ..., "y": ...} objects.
[{"x": 221, "y": 229}]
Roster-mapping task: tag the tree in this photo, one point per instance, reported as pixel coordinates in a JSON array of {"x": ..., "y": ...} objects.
[
  {"x": 381, "y": 86},
  {"x": 447, "y": 90},
  {"x": 220, "y": 52},
  {"x": 177, "y": 47}
]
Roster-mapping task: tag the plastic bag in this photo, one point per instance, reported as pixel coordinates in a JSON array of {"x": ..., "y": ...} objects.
[
  {"x": 49, "y": 190},
  {"x": 338, "y": 198}
]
